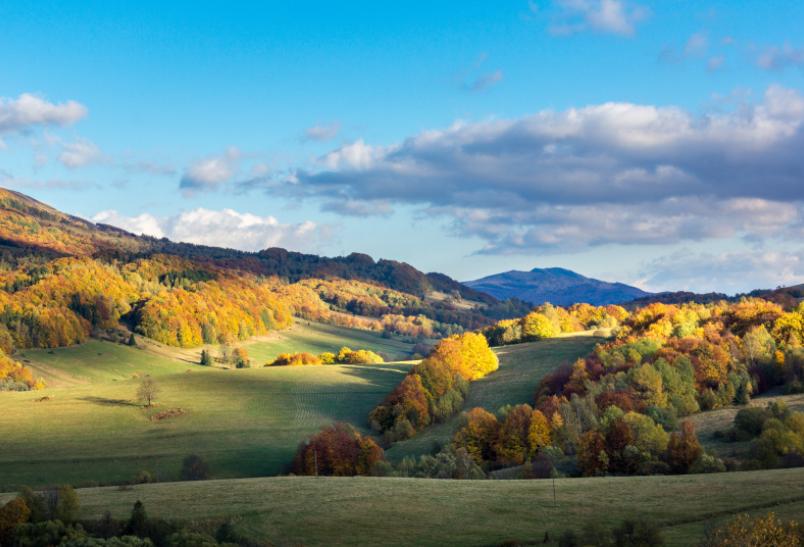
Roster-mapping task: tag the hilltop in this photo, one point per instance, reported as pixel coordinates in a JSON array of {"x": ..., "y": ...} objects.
[{"x": 557, "y": 286}]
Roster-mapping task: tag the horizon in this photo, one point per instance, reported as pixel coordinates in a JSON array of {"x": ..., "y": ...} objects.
[{"x": 640, "y": 143}]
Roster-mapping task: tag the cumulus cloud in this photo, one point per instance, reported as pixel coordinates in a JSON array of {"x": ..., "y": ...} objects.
[
  {"x": 144, "y": 224},
  {"x": 606, "y": 16},
  {"x": 730, "y": 272},
  {"x": 607, "y": 173},
  {"x": 211, "y": 172},
  {"x": 79, "y": 153},
  {"x": 322, "y": 132},
  {"x": 29, "y": 111},
  {"x": 222, "y": 228}
]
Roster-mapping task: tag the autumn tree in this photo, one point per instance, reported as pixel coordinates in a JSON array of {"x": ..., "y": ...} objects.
[
  {"x": 683, "y": 448},
  {"x": 592, "y": 457},
  {"x": 536, "y": 325},
  {"x": 148, "y": 391},
  {"x": 337, "y": 450},
  {"x": 478, "y": 435},
  {"x": 12, "y": 514}
]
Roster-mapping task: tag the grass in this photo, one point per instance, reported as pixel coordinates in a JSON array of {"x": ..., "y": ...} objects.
[
  {"x": 318, "y": 338},
  {"x": 708, "y": 423},
  {"x": 522, "y": 366},
  {"x": 389, "y": 511},
  {"x": 90, "y": 430}
]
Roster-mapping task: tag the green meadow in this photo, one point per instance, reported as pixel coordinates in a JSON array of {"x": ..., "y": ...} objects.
[
  {"x": 88, "y": 427},
  {"x": 391, "y": 511}
]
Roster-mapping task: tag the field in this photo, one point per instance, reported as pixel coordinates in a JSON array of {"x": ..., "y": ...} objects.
[
  {"x": 387, "y": 511},
  {"x": 521, "y": 368},
  {"x": 89, "y": 429}
]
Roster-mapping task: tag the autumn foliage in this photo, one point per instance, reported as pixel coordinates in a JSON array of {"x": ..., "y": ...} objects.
[
  {"x": 435, "y": 388},
  {"x": 337, "y": 450}
]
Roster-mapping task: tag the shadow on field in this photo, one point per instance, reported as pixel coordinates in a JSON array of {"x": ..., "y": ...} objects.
[
  {"x": 104, "y": 401},
  {"x": 379, "y": 376}
]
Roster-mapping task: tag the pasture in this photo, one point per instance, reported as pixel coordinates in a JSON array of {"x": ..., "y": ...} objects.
[
  {"x": 391, "y": 511},
  {"x": 89, "y": 429}
]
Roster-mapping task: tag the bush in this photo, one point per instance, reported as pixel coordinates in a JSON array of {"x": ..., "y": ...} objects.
[
  {"x": 194, "y": 468},
  {"x": 766, "y": 530},
  {"x": 294, "y": 360}
]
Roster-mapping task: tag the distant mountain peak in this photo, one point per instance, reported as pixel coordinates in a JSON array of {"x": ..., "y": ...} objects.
[{"x": 556, "y": 285}]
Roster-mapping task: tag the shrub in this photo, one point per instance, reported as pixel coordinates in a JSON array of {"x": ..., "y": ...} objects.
[
  {"x": 295, "y": 359},
  {"x": 761, "y": 531},
  {"x": 194, "y": 468}
]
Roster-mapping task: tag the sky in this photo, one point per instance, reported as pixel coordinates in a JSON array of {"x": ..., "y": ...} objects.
[{"x": 654, "y": 143}]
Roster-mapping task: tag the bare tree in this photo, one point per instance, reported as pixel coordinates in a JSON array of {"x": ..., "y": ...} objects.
[{"x": 148, "y": 391}]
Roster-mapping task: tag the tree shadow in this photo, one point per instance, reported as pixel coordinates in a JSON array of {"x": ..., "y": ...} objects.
[{"x": 105, "y": 401}]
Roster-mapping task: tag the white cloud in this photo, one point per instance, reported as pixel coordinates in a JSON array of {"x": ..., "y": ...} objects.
[
  {"x": 222, "y": 228},
  {"x": 322, "y": 132},
  {"x": 28, "y": 111},
  {"x": 79, "y": 153},
  {"x": 606, "y": 16},
  {"x": 607, "y": 173},
  {"x": 211, "y": 172},
  {"x": 729, "y": 272},
  {"x": 144, "y": 224}
]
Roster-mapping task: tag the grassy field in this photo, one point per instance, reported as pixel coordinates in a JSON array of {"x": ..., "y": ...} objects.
[
  {"x": 521, "y": 368},
  {"x": 708, "y": 423},
  {"x": 387, "y": 511},
  {"x": 90, "y": 430}
]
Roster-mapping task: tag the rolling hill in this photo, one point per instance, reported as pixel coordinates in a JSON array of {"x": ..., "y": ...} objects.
[{"x": 554, "y": 285}]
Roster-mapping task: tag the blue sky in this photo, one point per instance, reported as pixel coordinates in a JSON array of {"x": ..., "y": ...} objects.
[{"x": 653, "y": 143}]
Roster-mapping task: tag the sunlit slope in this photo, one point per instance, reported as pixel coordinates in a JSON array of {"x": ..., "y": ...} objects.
[
  {"x": 522, "y": 366},
  {"x": 88, "y": 428}
]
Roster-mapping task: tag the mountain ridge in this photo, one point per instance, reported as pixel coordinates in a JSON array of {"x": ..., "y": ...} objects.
[{"x": 559, "y": 286}]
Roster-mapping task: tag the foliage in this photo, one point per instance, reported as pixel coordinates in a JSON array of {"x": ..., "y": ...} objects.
[
  {"x": 435, "y": 388},
  {"x": 762, "y": 531},
  {"x": 337, "y": 450},
  {"x": 522, "y": 433},
  {"x": 345, "y": 356}
]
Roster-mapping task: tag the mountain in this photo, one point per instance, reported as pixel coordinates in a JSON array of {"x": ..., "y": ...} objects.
[{"x": 555, "y": 285}]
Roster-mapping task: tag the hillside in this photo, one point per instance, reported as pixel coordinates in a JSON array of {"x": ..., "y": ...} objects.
[
  {"x": 87, "y": 427},
  {"x": 28, "y": 223},
  {"x": 64, "y": 280},
  {"x": 554, "y": 285}
]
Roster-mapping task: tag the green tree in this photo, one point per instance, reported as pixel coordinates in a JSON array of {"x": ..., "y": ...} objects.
[
  {"x": 138, "y": 521},
  {"x": 206, "y": 358},
  {"x": 67, "y": 506}
]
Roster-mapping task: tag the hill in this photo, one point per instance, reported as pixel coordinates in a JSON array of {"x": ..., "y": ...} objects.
[
  {"x": 87, "y": 427},
  {"x": 554, "y": 285},
  {"x": 64, "y": 280}
]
